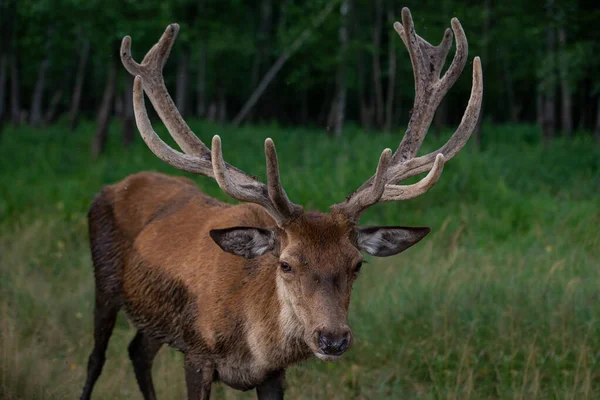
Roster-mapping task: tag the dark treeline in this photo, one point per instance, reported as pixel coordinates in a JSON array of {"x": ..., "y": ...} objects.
[{"x": 313, "y": 62}]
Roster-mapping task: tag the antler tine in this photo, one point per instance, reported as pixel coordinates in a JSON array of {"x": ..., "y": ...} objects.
[
  {"x": 458, "y": 62},
  {"x": 427, "y": 61},
  {"x": 255, "y": 192},
  {"x": 151, "y": 71},
  {"x": 273, "y": 198},
  {"x": 363, "y": 199},
  {"x": 173, "y": 157},
  {"x": 458, "y": 139},
  {"x": 156, "y": 57},
  {"x": 276, "y": 193},
  {"x": 197, "y": 158},
  {"x": 431, "y": 64},
  {"x": 130, "y": 65},
  {"x": 413, "y": 43},
  {"x": 407, "y": 192}
]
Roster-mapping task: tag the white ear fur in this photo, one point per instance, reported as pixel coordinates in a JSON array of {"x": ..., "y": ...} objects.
[
  {"x": 388, "y": 241},
  {"x": 371, "y": 243}
]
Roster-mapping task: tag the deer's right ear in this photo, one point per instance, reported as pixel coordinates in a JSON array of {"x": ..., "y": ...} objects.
[
  {"x": 385, "y": 241},
  {"x": 245, "y": 241}
]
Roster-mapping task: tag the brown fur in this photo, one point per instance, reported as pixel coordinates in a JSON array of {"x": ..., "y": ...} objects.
[
  {"x": 154, "y": 257},
  {"x": 158, "y": 250}
]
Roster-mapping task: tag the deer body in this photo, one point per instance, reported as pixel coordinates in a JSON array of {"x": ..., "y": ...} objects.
[
  {"x": 209, "y": 304},
  {"x": 246, "y": 290}
]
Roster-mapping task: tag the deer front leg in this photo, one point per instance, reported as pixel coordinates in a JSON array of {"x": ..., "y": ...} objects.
[
  {"x": 272, "y": 387},
  {"x": 198, "y": 379}
]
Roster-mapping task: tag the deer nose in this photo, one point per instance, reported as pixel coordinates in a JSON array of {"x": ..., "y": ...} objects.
[{"x": 334, "y": 343}]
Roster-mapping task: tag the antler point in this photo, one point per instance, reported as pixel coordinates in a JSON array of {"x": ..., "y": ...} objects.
[
  {"x": 126, "y": 46},
  {"x": 456, "y": 23},
  {"x": 269, "y": 147},
  {"x": 407, "y": 18}
]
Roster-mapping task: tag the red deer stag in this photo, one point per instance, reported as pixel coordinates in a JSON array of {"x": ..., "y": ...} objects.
[{"x": 246, "y": 290}]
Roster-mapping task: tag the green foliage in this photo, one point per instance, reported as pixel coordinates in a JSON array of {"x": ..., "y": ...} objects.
[
  {"x": 514, "y": 48},
  {"x": 500, "y": 301}
]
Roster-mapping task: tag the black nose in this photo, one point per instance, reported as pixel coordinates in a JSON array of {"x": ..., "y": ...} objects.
[{"x": 334, "y": 344}]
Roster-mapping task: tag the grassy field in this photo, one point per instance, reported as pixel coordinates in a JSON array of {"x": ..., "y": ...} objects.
[{"x": 502, "y": 300}]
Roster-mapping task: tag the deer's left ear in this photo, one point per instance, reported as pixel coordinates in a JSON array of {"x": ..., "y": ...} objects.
[{"x": 384, "y": 241}]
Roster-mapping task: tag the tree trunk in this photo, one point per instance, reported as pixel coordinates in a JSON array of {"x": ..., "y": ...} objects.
[
  {"x": 7, "y": 34},
  {"x": 262, "y": 39},
  {"x": 487, "y": 11},
  {"x": 583, "y": 99},
  {"x": 304, "y": 107},
  {"x": 272, "y": 72},
  {"x": 598, "y": 120},
  {"x": 119, "y": 104},
  {"x": 339, "y": 102},
  {"x": 389, "y": 101},
  {"x": 549, "y": 121},
  {"x": 261, "y": 44},
  {"x": 102, "y": 122},
  {"x": 78, "y": 87},
  {"x": 539, "y": 107},
  {"x": 565, "y": 90},
  {"x": 325, "y": 117},
  {"x": 222, "y": 112},
  {"x": 377, "y": 64},
  {"x": 211, "y": 113},
  {"x": 201, "y": 82},
  {"x": 330, "y": 123},
  {"x": 128, "y": 124},
  {"x": 3, "y": 76},
  {"x": 53, "y": 106},
  {"x": 182, "y": 82},
  {"x": 15, "y": 98},
  {"x": 366, "y": 111},
  {"x": 8, "y": 50},
  {"x": 513, "y": 107},
  {"x": 340, "y": 111},
  {"x": 35, "y": 118},
  {"x": 283, "y": 14}
]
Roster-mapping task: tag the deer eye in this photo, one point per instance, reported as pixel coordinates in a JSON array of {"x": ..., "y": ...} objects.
[
  {"x": 285, "y": 267},
  {"x": 358, "y": 267}
]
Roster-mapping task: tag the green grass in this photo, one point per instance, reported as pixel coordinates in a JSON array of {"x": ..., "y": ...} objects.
[{"x": 502, "y": 300}]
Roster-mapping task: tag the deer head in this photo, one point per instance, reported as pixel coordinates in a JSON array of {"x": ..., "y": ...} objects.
[{"x": 319, "y": 255}]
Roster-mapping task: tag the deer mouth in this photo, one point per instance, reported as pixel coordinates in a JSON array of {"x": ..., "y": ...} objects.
[
  {"x": 324, "y": 357},
  {"x": 327, "y": 357}
]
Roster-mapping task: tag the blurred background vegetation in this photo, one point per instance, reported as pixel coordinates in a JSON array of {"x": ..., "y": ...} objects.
[
  {"x": 59, "y": 59},
  {"x": 500, "y": 301}
]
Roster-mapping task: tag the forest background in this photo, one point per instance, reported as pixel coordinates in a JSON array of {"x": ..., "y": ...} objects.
[{"x": 500, "y": 301}]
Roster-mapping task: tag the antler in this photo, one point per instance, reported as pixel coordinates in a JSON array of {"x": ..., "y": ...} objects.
[
  {"x": 430, "y": 89},
  {"x": 197, "y": 158}
]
